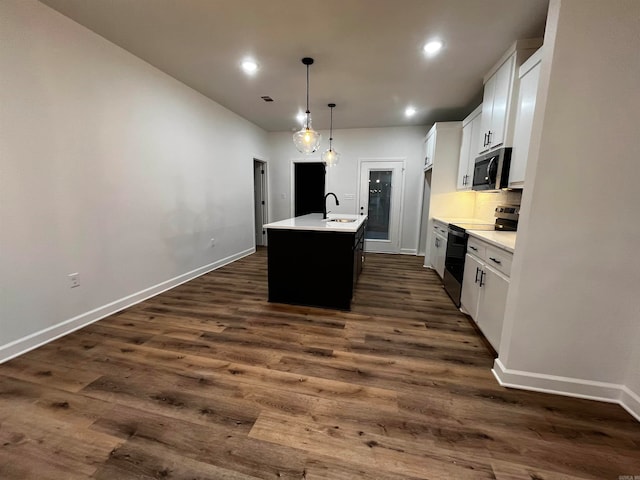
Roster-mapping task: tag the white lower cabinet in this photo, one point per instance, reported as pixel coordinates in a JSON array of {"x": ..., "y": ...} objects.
[
  {"x": 491, "y": 304},
  {"x": 470, "y": 289},
  {"x": 485, "y": 286},
  {"x": 438, "y": 251}
]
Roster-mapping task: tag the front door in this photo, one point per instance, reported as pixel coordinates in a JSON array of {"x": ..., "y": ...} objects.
[{"x": 380, "y": 197}]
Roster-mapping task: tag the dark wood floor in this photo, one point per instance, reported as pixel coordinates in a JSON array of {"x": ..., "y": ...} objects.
[{"x": 210, "y": 381}]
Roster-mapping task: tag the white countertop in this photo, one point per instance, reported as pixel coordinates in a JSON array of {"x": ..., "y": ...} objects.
[
  {"x": 314, "y": 221},
  {"x": 504, "y": 240},
  {"x": 461, "y": 220}
]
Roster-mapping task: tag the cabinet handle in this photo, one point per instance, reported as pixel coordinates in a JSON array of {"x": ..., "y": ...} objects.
[
  {"x": 477, "y": 271},
  {"x": 482, "y": 278},
  {"x": 495, "y": 260},
  {"x": 484, "y": 144},
  {"x": 473, "y": 248},
  {"x": 489, "y": 137}
]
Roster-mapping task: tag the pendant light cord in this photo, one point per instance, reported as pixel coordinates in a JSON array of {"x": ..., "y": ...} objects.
[
  {"x": 331, "y": 131},
  {"x": 308, "y": 112}
]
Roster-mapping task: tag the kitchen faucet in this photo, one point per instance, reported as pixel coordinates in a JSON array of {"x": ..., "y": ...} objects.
[{"x": 324, "y": 212}]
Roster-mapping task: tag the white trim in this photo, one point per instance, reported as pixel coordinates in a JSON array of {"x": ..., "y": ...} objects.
[
  {"x": 408, "y": 251},
  {"x": 265, "y": 185},
  {"x": 569, "y": 387},
  {"x": 630, "y": 401},
  {"x": 37, "y": 339},
  {"x": 403, "y": 162}
]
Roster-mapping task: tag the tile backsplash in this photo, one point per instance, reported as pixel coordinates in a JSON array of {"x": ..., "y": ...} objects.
[{"x": 486, "y": 202}]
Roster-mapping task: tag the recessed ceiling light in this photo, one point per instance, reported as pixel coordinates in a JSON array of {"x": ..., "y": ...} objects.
[
  {"x": 249, "y": 66},
  {"x": 410, "y": 112},
  {"x": 432, "y": 47}
]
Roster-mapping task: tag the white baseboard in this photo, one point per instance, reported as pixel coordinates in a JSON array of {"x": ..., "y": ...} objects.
[
  {"x": 570, "y": 387},
  {"x": 630, "y": 401},
  {"x": 408, "y": 251},
  {"x": 35, "y": 340}
]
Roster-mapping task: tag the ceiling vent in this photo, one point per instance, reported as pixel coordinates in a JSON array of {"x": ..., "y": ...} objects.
[{"x": 267, "y": 98}]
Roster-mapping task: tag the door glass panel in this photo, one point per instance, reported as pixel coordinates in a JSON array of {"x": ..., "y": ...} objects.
[{"x": 379, "y": 205}]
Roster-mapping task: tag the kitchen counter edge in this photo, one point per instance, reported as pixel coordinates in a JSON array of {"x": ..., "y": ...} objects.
[{"x": 314, "y": 222}]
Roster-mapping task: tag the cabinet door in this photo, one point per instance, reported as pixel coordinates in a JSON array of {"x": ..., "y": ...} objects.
[
  {"x": 524, "y": 122},
  {"x": 433, "y": 252},
  {"x": 491, "y": 307},
  {"x": 429, "y": 150},
  {"x": 487, "y": 113},
  {"x": 465, "y": 155},
  {"x": 441, "y": 254},
  {"x": 476, "y": 134},
  {"x": 470, "y": 287},
  {"x": 501, "y": 95}
]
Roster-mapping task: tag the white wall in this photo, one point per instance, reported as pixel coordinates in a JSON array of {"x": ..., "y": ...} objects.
[
  {"x": 342, "y": 179},
  {"x": 573, "y": 313},
  {"x": 109, "y": 168}
]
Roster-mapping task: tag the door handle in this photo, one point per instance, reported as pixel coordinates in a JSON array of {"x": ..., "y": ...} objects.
[{"x": 493, "y": 159}]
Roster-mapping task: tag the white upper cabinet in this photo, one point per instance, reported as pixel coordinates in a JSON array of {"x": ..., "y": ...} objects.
[
  {"x": 494, "y": 105},
  {"x": 429, "y": 148},
  {"x": 529, "y": 75},
  {"x": 500, "y": 95},
  {"x": 471, "y": 128}
]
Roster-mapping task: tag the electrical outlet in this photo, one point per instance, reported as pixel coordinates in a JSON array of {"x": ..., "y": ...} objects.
[{"x": 74, "y": 279}]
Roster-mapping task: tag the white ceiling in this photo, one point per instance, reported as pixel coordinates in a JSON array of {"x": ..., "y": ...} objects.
[{"x": 368, "y": 53}]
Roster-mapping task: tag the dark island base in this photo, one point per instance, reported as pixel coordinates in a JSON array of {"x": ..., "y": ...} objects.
[{"x": 314, "y": 268}]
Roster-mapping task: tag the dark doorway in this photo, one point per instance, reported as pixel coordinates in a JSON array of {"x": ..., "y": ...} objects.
[{"x": 309, "y": 188}]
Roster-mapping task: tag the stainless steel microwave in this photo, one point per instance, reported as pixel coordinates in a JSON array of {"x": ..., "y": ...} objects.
[{"x": 491, "y": 170}]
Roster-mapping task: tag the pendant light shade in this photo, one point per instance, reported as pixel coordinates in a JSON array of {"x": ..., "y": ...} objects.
[
  {"x": 330, "y": 157},
  {"x": 307, "y": 140}
]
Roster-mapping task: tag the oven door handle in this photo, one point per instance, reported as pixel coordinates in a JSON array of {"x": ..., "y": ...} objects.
[{"x": 455, "y": 233}]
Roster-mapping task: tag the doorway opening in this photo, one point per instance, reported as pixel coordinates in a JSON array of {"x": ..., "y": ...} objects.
[
  {"x": 308, "y": 187},
  {"x": 381, "y": 197},
  {"x": 260, "y": 200}
]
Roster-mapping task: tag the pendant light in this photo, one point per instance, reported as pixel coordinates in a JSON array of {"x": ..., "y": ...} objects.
[
  {"x": 307, "y": 140},
  {"x": 330, "y": 157}
]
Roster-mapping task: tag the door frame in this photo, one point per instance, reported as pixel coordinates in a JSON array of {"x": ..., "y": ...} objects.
[
  {"x": 292, "y": 179},
  {"x": 402, "y": 161},
  {"x": 265, "y": 207}
]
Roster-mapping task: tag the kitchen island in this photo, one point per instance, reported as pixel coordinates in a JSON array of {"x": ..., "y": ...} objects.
[{"x": 315, "y": 261}]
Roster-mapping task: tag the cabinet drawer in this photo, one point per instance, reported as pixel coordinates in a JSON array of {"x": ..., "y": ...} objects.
[
  {"x": 477, "y": 248},
  {"x": 498, "y": 259},
  {"x": 441, "y": 228}
]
